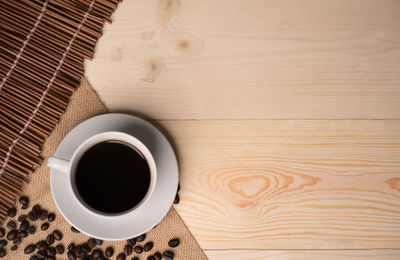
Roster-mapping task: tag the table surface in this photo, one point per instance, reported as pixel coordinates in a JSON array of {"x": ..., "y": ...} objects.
[{"x": 285, "y": 116}]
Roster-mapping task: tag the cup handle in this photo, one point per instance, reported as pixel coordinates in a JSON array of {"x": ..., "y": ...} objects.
[{"x": 58, "y": 164}]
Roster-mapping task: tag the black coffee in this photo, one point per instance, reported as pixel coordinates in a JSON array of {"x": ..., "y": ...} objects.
[{"x": 112, "y": 177}]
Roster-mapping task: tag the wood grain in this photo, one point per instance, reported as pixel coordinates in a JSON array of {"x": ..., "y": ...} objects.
[
  {"x": 290, "y": 184},
  {"x": 251, "y": 59},
  {"x": 302, "y": 255}
]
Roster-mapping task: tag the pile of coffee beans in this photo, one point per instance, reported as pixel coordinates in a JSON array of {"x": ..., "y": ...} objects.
[{"x": 50, "y": 247}]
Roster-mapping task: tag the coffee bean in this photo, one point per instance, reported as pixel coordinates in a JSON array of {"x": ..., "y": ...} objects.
[
  {"x": 50, "y": 239},
  {"x": 36, "y": 209},
  {"x": 173, "y": 242},
  {"x": 128, "y": 249},
  {"x": 52, "y": 251},
  {"x": 86, "y": 247},
  {"x": 121, "y": 256},
  {"x": 131, "y": 241},
  {"x": 168, "y": 255},
  {"x": 109, "y": 251},
  {"x": 22, "y": 217},
  {"x": 12, "y": 234},
  {"x": 97, "y": 253},
  {"x": 2, "y": 232},
  {"x": 34, "y": 258},
  {"x": 14, "y": 248},
  {"x": 57, "y": 234},
  {"x": 24, "y": 206},
  {"x": 60, "y": 249},
  {"x": 24, "y": 200},
  {"x": 32, "y": 216},
  {"x": 71, "y": 246},
  {"x": 11, "y": 224},
  {"x": 17, "y": 241},
  {"x": 148, "y": 246},
  {"x": 73, "y": 229},
  {"x": 3, "y": 243},
  {"x": 99, "y": 241},
  {"x": 82, "y": 253},
  {"x": 24, "y": 225},
  {"x": 45, "y": 226},
  {"x": 32, "y": 230},
  {"x": 176, "y": 200},
  {"x": 91, "y": 242},
  {"x": 42, "y": 254},
  {"x": 51, "y": 258},
  {"x": 150, "y": 257},
  {"x": 23, "y": 234},
  {"x": 12, "y": 212},
  {"x": 29, "y": 249},
  {"x": 71, "y": 255},
  {"x": 141, "y": 238},
  {"x": 135, "y": 258},
  {"x": 157, "y": 255},
  {"x": 138, "y": 249},
  {"x": 42, "y": 245},
  {"x": 2, "y": 252},
  {"x": 43, "y": 215},
  {"x": 51, "y": 217}
]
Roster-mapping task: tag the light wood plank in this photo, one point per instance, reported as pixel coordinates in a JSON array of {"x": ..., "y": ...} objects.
[
  {"x": 255, "y": 59},
  {"x": 284, "y": 184},
  {"x": 304, "y": 255}
]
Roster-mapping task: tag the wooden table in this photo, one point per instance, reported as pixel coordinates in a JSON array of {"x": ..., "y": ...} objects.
[{"x": 284, "y": 115}]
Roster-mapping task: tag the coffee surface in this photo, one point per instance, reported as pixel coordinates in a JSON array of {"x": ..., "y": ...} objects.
[{"x": 112, "y": 177}]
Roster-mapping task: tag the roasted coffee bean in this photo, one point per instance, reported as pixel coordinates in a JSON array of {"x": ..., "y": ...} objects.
[
  {"x": 135, "y": 258},
  {"x": 29, "y": 249},
  {"x": 12, "y": 234},
  {"x": 17, "y": 241},
  {"x": 109, "y": 251},
  {"x": 121, "y": 256},
  {"x": 32, "y": 216},
  {"x": 43, "y": 215},
  {"x": 24, "y": 206},
  {"x": 131, "y": 241},
  {"x": 168, "y": 255},
  {"x": 14, "y": 248},
  {"x": 12, "y": 212},
  {"x": 50, "y": 239},
  {"x": 36, "y": 209},
  {"x": 11, "y": 224},
  {"x": 34, "y": 258},
  {"x": 87, "y": 247},
  {"x": 60, "y": 249},
  {"x": 43, "y": 246},
  {"x": 51, "y": 217},
  {"x": 82, "y": 253},
  {"x": 42, "y": 254},
  {"x": 2, "y": 232},
  {"x": 177, "y": 199},
  {"x": 128, "y": 250},
  {"x": 45, "y": 226},
  {"x": 24, "y": 225},
  {"x": 71, "y": 246},
  {"x": 71, "y": 255},
  {"x": 73, "y": 229},
  {"x": 97, "y": 253},
  {"x": 22, "y": 217},
  {"x": 150, "y": 257},
  {"x": 141, "y": 238},
  {"x": 173, "y": 242},
  {"x": 2, "y": 252},
  {"x": 91, "y": 242},
  {"x": 32, "y": 230},
  {"x": 3, "y": 243},
  {"x": 98, "y": 241},
  {"x": 51, "y": 258},
  {"x": 148, "y": 246},
  {"x": 24, "y": 200},
  {"x": 57, "y": 234},
  {"x": 138, "y": 249},
  {"x": 52, "y": 251},
  {"x": 157, "y": 255},
  {"x": 23, "y": 234}
]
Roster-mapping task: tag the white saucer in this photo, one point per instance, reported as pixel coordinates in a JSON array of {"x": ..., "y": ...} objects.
[{"x": 149, "y": 214}]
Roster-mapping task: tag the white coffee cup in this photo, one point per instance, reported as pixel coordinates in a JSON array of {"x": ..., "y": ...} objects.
[{"x": 62, "y": 166}]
